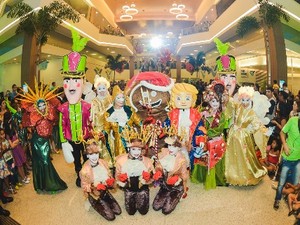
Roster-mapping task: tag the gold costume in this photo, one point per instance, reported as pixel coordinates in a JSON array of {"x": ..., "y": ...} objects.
[
  {"x": 241, "y": 164},
  {"x": 98, "y": 109},
  {"x": 130, "y": 118}
]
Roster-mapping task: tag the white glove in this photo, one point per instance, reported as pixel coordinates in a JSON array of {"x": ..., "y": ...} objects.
[
  {"x": 250, "y": 128},
  {"x": 269, "y": 131},
  {"x": 67, "y": 151},
  {"x": 112, "y": 135},
  {"x": 178, "y": 182},
  {"x": 121, "y": 184}
]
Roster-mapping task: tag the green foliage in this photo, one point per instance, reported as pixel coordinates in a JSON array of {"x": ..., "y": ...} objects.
[
  {"x": 246, "y": 25},
  {"x": 112, "y": 62},
  {"x": 271, "y": 14},
  {"x": 42, "y": 22}
]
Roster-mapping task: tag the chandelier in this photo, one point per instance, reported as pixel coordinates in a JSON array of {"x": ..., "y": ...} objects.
[
  {"x": 128, "y": 12},
  {"x": 178, "y": 11}
]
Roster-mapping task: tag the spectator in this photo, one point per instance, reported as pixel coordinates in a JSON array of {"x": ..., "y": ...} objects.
[
  {"x": 53, "y": 85},
  {"x": 290, "y": 156},
  {"x": 14, "y": 92},
  {"x": 275, "y": 86}
]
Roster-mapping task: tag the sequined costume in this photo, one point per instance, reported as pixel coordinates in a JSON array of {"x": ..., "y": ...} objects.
[
  {"x": 129, "y": 173},
  {"x": 105, "y": 204},
  {"x": 45, "y": 177},
  {"x": 170, "y": 194},
  {"x": 115, "y": 121}
]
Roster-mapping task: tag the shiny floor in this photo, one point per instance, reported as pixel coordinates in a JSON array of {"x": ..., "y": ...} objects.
[{"x": 222, "y": 206}]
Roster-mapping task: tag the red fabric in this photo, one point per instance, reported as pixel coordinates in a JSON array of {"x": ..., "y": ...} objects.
[
  {"x": 200, "y": 139},
  {"x": 172, "y": 180},
  {"x": 101, "y": 187},
  {"x": 216, "y": 150},
  {"x": 146, "y": 175},
  {"x": 157, "y": 175},
  {"x": 110, "y": 182},
  {"x": 152, "y": 77},
  {"x": 123, "y": 177}
]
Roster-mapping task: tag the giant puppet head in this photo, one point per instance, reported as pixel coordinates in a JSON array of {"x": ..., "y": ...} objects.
[
  {"x": 226, "y": 66},
  {"x": 73, "y": 69},
  {"x": 149, "y": 94}
]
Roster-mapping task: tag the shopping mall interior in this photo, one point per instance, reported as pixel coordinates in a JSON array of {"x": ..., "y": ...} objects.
[{"x": 141, "y": 32}]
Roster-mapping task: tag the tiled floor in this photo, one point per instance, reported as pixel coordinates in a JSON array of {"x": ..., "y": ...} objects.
[{"x": 222, "y": 206}]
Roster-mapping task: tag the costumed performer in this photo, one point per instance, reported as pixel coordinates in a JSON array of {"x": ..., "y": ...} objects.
[
  {"x": 187, "y": 120},
  {"x": 210, "y": 166},
  {"x": 172, "y": 175},
  {"x": 116, "y": 118},
  {"x": 242, "y": 167},
  {"x": 74, "y": 123},
  {"x": 133, "y": 174},
  {"x": 99, "y": 106},
  {"x": 40, "y": 114},
  {"x": 149, "y": 96},
  {"x": 96, "y": 181}
]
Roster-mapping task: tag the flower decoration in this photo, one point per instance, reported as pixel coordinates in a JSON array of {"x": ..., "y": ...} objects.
[{"x": 123, "y": 177}]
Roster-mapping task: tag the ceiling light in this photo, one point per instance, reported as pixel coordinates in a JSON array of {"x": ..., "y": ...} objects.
[
  {"x": 131, "y": 10},
  {"x": 126, "y": 17},
  {"x": 156, "y": 42},
  {"x": 182, "y": 16},
  {"x": 175, "y": 9},
  {"x": 181, "y": 6}
]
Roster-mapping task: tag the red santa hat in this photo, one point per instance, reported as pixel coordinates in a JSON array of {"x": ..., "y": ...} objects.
[{"x": 153, "y": 80}]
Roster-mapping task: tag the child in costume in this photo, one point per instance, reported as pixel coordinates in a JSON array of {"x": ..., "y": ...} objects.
[
  {"x": 99, "y": 106},
  {"x": 39, "y": 107},
  {"x": 210, "y": 168},
  {"x": 116, "y": 118},
  {"x": 96, "y": 180},
  {"x": 241, "y": 164},
  {"x": 74, "y": 116},
  {"x": 133, "y": 174},
  {"x": 186, "y": 119},
  {"x": 172, "y": 175}
]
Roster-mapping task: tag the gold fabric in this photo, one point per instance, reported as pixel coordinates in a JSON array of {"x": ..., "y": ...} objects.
[
  {"x": 241, "y": 164},
  {"x": 98, "y": 109},
  {"x": 118, "y": 147}
]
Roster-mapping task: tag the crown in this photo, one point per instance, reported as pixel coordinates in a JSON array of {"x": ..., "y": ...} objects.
[
  {"x": 172, "y": 131},
  {"x": 130, "y": 134}
]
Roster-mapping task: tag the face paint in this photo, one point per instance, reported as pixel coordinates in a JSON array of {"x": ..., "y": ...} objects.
[
  {"x": 173, "y": 150},
  {"x": 214, "y": 104},
  {"x": 229, "y": 82},
  {"x": 245, "y": 101},
  {"x": 120, "y": 100},
  {"x": 42, "y": 107},
  {"x": 135, "y": 152},
  {"x": 102, "y": 91}
]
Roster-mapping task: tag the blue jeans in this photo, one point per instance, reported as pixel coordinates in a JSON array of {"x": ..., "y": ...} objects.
[{"x": 294, "y": 168}]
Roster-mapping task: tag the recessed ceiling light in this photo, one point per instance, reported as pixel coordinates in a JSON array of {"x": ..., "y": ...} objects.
[
  {"x": 112, "y": 52},
  {"x": 94, "y": 54}
]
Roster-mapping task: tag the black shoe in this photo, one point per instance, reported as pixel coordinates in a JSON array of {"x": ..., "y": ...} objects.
[
  {"x": 4, "y": 212},
  {"x": 6, "y": 199},
  {"x": 78, "y": 182},
  {"x": 276, "y": 204}
]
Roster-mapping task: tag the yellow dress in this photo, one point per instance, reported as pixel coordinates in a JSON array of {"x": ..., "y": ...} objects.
[
  {"x": 98, "y": 109},
  {"x": 241, "y": 164}
]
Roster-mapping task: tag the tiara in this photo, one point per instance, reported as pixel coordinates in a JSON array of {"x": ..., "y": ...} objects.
[
  {"x": 132, "y": 133},
  {"x": 172, "y": 131}
]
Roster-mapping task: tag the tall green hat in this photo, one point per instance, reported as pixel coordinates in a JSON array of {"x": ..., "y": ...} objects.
[
  {"x": 74, "y": 64},
  {"x": 225, "y": 63}
]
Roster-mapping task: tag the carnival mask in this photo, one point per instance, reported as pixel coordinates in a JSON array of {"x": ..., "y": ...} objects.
[
  {"x": 229, "y": 82},
  {"x": 120, "y": 100},
  {"x": 245, "y": 101},
  {"x": 73, "y": 88}
]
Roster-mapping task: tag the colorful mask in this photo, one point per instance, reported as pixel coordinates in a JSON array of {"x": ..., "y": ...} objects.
[{"x": 73, "y": 88}]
